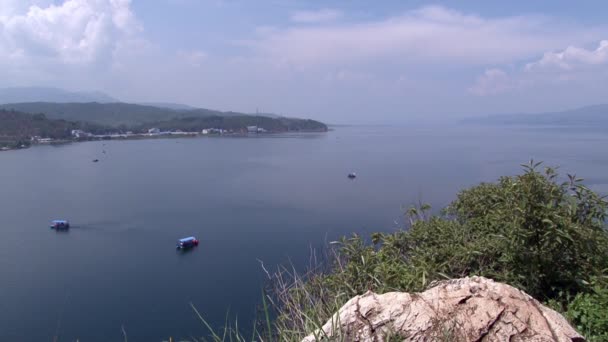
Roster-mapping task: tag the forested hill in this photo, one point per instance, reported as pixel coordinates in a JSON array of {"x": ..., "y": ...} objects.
[
  {"x": 111, "y": 114},
  {"x": 237, "y": 123},
  {"x": 123, "y": 115},
  {"x": 17, "y": 128}
]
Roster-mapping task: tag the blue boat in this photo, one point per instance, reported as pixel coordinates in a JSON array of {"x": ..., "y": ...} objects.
[
  {"x": 186, "y": 243},
  {"x": 60, "y": 224}
]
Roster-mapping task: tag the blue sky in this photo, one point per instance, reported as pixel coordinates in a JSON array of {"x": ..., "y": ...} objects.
[{"x": 339, "y": 61}]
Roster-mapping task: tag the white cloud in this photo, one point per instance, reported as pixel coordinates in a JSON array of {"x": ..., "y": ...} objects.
[
  {"x": 427, "y": 35},
  {"x": 76, "y": 32},
  {"x": 572, "y": 58},
  {"x": 493, "y": 81},
  {"x": 11, "y": 7},
  {"x": 193, "y": 58},
  {"x": 323, "y": 15},
  {"x": 572, "y": 64}
]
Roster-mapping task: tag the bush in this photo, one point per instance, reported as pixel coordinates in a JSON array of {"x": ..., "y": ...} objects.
[
  {"x": 588, "y": 312},
  {"x": 530, "y": 231},
  {"x": 547, "y": 237}
]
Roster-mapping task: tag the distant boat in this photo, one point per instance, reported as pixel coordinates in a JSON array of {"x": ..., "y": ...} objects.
[
  {"x": 352, "y": 175},
  {"x": 95, "y": 160},
  {"x": 186, "y": 243},
  {"x": 60, "y": 224}
]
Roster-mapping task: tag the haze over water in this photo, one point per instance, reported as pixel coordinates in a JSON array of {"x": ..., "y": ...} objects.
[{"x": 268, "y": 198}]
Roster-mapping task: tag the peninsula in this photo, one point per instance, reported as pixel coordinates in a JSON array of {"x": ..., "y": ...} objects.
[{"x": 24, "y": 124}]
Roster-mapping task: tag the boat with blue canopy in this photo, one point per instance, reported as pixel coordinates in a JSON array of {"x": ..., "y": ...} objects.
[
  {"x": 186, "y": 243},
  {"x": 60, "y": 224}
]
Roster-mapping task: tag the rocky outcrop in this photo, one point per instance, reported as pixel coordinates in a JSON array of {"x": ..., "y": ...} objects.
[{"x": 468, "y": 309}]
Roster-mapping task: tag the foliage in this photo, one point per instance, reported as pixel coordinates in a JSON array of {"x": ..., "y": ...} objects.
[
  {"x": 544, "y": 237},
  {"x": 588, "y": 312}
]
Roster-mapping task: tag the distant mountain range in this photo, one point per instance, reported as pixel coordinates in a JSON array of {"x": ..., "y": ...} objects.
[
  {"x": 168, "y": 105},
  {"x": 60, "y": 104},
  {"x": 48, "y": 94},
  {"x": 590, "y": 116}
]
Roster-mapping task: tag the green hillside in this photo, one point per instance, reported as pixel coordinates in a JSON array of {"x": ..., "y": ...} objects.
[
  {"x": 21, "y": 121},
  {"x": 110, "y": 114},
  {"x": 236, "y": 124},
  {"x": 17, "y": 128}
]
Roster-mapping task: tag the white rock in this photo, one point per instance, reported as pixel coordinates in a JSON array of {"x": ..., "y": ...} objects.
[{"x": 468, "y": 309}]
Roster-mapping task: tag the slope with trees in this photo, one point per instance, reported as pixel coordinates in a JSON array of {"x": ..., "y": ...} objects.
[
  {"x": 128, "y": 114},
  {"x": 17, "y": 128},
  {"x": 237, "y": 124}
]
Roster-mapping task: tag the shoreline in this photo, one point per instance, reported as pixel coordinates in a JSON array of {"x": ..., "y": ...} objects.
[{"x": 150, "y": 136}]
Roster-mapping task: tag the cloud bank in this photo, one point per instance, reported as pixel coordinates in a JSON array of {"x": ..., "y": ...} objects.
[
  {"x": 77, "y": 32},
  {"x": 569, "y": 65},
  {"x": 572, "y": 58},
  {"x": 431, "y": 34},
  {"x": 324, "y": 63}
]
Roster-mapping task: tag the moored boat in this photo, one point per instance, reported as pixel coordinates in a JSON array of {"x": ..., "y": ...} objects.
[
  {"x": 186, "y": 243},
  {"x": 60, "y": 224}
]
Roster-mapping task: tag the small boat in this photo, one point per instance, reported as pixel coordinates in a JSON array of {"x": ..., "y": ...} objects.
[
  {"x": 95, "y": 160},
  {"x": 186, "y": 243},
  {"x": 352, "y": 175},
  {"x": 60, "y": 224}
]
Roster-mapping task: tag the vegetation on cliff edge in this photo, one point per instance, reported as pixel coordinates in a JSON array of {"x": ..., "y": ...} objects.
[{"x": 532, "y": 231}]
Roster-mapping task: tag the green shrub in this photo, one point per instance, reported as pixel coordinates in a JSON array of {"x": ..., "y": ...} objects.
[
  {"x": 544, "y": 237},
  {"x": 588, "y": 312},
  {"x": 530, "y": 231}
]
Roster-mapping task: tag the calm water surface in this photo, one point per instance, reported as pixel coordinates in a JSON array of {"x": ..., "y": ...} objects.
[{"x": 247, "y": 199}]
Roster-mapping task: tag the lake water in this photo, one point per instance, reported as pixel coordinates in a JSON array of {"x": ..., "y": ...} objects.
[{"x": 247, "y": 199}]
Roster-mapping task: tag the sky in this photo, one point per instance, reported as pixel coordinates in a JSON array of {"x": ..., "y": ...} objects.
[{"x": 352, "y": 61}]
